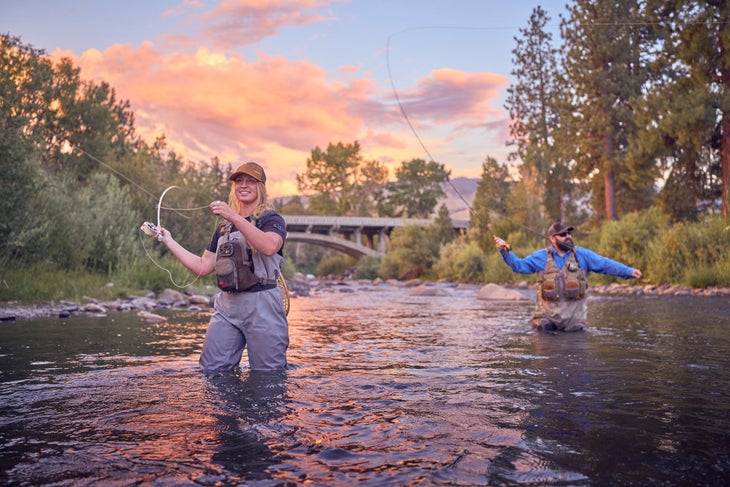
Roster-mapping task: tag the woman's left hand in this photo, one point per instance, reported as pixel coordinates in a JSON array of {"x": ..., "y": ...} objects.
[{"x": 221, "y": 209}]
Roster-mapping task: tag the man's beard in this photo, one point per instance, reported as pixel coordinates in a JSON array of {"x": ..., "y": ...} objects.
[{"x": 566, "y": 245}]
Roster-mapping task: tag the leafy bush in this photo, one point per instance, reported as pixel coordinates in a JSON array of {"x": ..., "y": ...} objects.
[
  {"x": 91, "y": 228},
  {"x": 109, "y": 226},
  {"x": 367, "y": 267},
  {"x": 688, "y": 251},
  {"x": 411, "y": 253},
  {"x": 462, "y": 261},
  {"x": 499, "y": 272},
  {"x": 336, "y": 265},
  {"x": 626, "y": 240}
]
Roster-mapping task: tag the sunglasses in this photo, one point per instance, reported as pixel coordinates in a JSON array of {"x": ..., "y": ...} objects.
[{"x": 563, "y": 234}]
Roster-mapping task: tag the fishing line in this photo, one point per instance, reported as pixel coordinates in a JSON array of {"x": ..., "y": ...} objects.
[
  {"x": 159, "y": 208},
  {"x": 403, "y": 110},
  {"x": 408, "y": 120},
  {"x": 169, "y": 273},
  {"x": 132, "y": 182},
  {"x": 94, "y": 158}
]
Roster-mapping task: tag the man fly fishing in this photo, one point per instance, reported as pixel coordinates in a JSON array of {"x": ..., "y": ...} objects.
[{"x": 562, "y": 278}]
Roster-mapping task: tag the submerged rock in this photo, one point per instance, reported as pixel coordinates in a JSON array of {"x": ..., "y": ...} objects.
[
  {"x": 495, "y": 292},
  {"x": 424, "y": 290},
  {"x": 150, "y": 317}
]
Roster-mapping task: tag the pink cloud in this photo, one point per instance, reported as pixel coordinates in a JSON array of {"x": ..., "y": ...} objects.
[
  {"x": 232, "y": 24},
  {"x": 349, "y": 69},
  {"x": 448, "y": 96}
]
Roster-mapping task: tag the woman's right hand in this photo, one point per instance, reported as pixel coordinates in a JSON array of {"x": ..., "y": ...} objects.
[{"x": 163, "y": 236}]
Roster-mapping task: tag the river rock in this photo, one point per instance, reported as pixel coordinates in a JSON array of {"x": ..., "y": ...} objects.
[
  {"x": 94, "y": 308},
  {"x": 200, "y": 299},
  {"x": 424, "y": 290},
  {"x": 171, "y": 296},
  {"x": 150, "y": 317},
  {"x": 495, "y": 292},
  {"x": 144, "y": 303}
]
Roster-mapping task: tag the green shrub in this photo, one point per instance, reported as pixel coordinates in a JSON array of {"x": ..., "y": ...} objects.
[
  {"x": 701, "y": 278},
  {"x": 367, "y": 267},
  {"x": 400, "y": 264},
  {"x": 411, "y": 253},
  {"x": 335, "y": 265},
  {"x": 92, "y": 227},
  {"x": 461, "y": 261},
  {"x": 688, "y": 251},
  {"x": 626, "y": 239},
  {"x": 723, "y": 271}
]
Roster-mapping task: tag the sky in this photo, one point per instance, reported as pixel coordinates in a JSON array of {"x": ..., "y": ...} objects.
[{"x": 270, "y": 80}]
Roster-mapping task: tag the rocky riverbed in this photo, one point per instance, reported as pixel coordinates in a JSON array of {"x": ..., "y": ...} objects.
[{"x": 202, "y": 300}]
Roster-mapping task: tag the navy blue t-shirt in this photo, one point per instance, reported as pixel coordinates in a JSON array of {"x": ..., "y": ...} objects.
[{"x": 270, "y": 221}]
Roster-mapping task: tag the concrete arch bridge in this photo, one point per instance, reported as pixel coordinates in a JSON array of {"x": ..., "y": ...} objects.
[{"x": 355, "y": 236}]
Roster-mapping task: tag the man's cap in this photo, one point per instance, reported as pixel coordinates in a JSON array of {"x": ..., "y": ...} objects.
[
  {"x": 559, "y": 227},
  {"x": 252, "y": 169}
]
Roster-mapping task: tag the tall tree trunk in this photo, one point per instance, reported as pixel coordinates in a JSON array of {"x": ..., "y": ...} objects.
[
  {"x": 609, "y": 182},
  {"x": 724, "y": 127},
  {"x": 725, "y": 161},
  {"x": 610, "y": 189}
]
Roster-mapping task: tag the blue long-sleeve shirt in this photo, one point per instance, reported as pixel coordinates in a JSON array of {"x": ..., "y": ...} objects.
[{"x": 588, "y": 260}]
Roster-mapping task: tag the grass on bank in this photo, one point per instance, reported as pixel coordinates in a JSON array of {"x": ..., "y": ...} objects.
[{"x": 42, "y": 282}]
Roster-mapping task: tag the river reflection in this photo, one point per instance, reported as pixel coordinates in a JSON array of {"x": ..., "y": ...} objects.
[{"x": 383, "y": 388}]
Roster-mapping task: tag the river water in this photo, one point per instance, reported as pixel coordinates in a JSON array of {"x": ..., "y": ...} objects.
[{"x": 383, "y": 389}]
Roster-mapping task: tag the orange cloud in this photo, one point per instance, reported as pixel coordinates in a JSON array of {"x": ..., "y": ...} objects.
[
  {"x": 217, "y": 104},
  {"x": 210, "y": 103}
]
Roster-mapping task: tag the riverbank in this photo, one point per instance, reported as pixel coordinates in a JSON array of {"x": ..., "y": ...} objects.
[{"x": 202, "y": 299}]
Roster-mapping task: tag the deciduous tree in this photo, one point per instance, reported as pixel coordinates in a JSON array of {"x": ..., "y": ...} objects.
[
  {"x": 490, "y": 201},
  {"x": 25, "y": 78},
  {"x": 416, "y": 190},
  {"x": 330, "y": 177}
]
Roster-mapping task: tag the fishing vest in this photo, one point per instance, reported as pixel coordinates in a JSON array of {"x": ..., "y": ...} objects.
[
  {"x": 234, "y": 266},
  {"x": 567, "y": 284}
]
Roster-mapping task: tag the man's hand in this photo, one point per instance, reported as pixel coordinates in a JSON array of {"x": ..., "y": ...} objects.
[
  {"x": 501, "y": 244},
  {"x": 637, "y": 274}
]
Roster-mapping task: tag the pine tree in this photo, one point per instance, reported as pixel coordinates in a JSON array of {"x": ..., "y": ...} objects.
[
  {"x": 685, "y": 115},
  {"x": 533, "y": 102},
  {"x": 602, "y": 64}
]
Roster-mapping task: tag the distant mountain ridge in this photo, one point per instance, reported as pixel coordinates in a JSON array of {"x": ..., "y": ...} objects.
[{"x": 458, "y": 190}]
